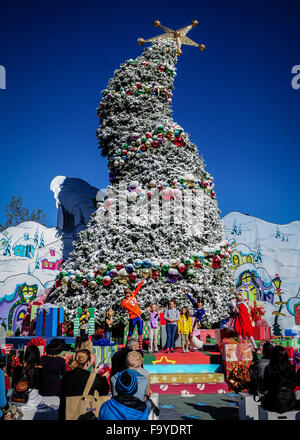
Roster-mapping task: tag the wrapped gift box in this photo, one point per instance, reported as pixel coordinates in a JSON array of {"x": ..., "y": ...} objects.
[
  {"x": 228, "y": 366},
  {"x": 241, "y": 351},
  {"x": 223, "y": 333},
  {"x": 204, "y": 334},
  {"x": 48, "y": 320},
  {"x": 261, "y": 333},
  {"x": 293, "y": 332},
  {"x": 293, "y": 342},
  {"x": 33, "y": 312}
]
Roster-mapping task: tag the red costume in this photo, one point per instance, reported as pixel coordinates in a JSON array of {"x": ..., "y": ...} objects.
[{"x": 243, "y": 326}]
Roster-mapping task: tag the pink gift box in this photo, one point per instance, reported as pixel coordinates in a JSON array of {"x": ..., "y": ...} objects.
[
  {"x": 207, "y": 334},
  {"x": 237, "y": 352}
]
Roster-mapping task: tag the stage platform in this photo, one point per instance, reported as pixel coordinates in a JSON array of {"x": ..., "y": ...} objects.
[{"x": 20, "y": 342}]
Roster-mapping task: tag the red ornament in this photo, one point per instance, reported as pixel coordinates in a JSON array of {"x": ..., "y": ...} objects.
[
  {"x": 216, "y": 263},
  {"x": 181, "y": 267},
  {"x": 84, "y": 283},
  {"x": 155, "y": 274},
  {"x": 198, "y": 264},
  {"x": 178, "y": 141},
  {"x": 133, "y": 276},
  {"x": 57, "y": 283}
]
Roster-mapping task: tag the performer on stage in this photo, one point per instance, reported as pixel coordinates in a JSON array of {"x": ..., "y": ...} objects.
[
  {"x": 198, "y": 309},
  {"x": 243, "y": 326},
  {"x": 130, "y": 304},
  {"x": 84, "y": 322}
]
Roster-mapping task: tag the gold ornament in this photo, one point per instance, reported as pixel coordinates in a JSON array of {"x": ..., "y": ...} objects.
[{"x": 179, "y": 36}]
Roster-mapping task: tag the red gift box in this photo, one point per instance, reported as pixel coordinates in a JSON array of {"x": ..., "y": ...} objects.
[{"x": 261, "y": 333}]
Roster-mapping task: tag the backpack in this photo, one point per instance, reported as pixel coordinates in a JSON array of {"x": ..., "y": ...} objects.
[{"x": 21, "y": 390}]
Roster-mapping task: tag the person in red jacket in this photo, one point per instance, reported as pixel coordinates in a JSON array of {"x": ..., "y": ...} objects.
[
  {"x": 243, "y": 326},
  {"x": 130, "y": 304}
]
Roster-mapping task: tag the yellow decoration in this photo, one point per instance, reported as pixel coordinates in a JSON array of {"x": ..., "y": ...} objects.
[
  {"x": 158, "y": 361},
  {"x": 179, "y": 36}
]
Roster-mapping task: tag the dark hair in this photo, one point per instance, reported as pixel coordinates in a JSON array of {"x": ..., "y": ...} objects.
[
  {"x": 84, "y": 306},
  {"x": 200, "y": 300},
  {"x": 267, "y": 350},
  {"x": 2, "y": 364},
  {"x": 32, "y": 357},
  {"x": 280, "y": 366}
]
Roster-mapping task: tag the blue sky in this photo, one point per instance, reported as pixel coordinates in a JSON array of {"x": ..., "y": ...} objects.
[{"x": 235, "y": 99}]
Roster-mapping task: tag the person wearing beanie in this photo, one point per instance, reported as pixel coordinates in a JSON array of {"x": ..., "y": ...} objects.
[
  {"x": 124, "y": 406},
  {"x": 133, "y": 363}
]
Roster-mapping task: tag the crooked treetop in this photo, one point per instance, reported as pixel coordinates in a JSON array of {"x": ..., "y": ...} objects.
[{"x": 179, "y": 36}]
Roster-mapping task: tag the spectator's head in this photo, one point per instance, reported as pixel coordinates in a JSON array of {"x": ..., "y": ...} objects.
[
  {"x": 32, "y": 356},
  {"x": 82, "y": 360},
  {"x": 134, "y": 360},
  {"x": 126, "y": 383},
  {"x": 133, "y": 344},
  {"x": 2, "y": 365},
  {"x": 110, "y": 312},
  {"x": 84, "y": 308},
  {"x": 267, "y": 350},
  {"x": 172, "y": 304},
  {"x": 279, "y": 361}
]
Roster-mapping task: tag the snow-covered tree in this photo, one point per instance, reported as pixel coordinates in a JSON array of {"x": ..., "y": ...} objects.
[{"x": 160, "y": 220}]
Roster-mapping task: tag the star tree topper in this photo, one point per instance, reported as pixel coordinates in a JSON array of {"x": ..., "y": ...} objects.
[{"x": 179, "y": 36}]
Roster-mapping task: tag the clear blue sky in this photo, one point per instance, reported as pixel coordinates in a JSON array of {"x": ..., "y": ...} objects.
[{"x": 235, "y": 99}]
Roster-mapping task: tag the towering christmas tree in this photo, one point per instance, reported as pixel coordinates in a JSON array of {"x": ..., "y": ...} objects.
[{"x": 160, "y": 220}]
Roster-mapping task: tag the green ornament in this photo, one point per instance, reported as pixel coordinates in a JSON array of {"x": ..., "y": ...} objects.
[
  {"x": 165, "y": 267},
  {"x": 111, "y": 265},
  {"x": 99, "y": 279}
]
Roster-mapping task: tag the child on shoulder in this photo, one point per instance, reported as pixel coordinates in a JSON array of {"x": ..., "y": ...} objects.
[{"x": 185, "y": 328}]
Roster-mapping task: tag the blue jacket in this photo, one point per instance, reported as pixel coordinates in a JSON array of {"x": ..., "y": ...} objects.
[
  {"x": 113, "y": 410},
  {"x": 198, "y": 312}
]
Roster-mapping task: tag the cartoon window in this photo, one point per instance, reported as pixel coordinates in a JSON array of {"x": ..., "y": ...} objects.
[
  {"x": 235, "y": 259},
  {"x": 246, "y": 277},
  {"x": 250, "y": 259}
]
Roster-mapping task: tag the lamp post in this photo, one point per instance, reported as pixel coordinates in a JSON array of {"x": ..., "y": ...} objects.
[{"x": 276, "y": 327}]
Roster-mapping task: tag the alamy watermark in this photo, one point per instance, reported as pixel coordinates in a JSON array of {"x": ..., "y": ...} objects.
[
  {"x": 296, "y": 79},
  {"x": 181, "y": 207},
  {"x": 2, "y": 78}
]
